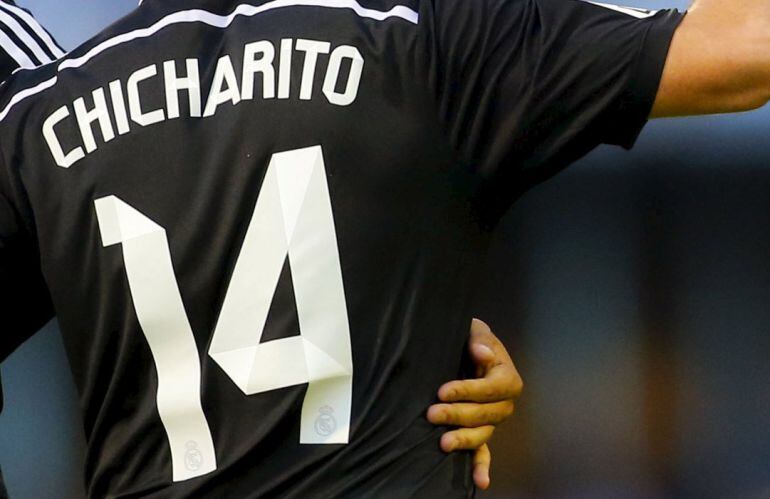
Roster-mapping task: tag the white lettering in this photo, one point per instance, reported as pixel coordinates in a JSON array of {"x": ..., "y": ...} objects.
[
  {"x": 86, "y": 118},
  {"x": 273, "y": 64},
  {"x": 264, "y": 65},
  {"x": 312, "y": 49},
  {"x": 63, "y": 160},
  {"x": 284, "y": 69},
  {"x": 333, "y": 73},
  {"x": 191, "y": 83},
  {"x": 224, "y": 75},
  {"x": 119, "y": 106},
  {"x": 135, "y": 105}
]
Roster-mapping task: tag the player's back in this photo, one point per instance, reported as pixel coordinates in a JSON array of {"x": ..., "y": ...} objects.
[
  {"x": 253, "y": 240},
  {"x": 259, "y": 222}
]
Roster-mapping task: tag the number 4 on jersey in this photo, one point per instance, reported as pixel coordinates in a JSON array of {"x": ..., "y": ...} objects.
[{"x": 293, "y": 217}]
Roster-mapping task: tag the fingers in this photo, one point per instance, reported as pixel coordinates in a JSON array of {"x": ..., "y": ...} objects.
[
  {"x": 483, "y": 357},
  {"x": 498, "y": 378},
  {"x": 470, "y": 415},
  {"x": 482, "y": 336},
  {"x": 479, "y": 326},
  {"x": 502, "y": 383},
  {"x": 481, "y": 346},
  {"x": 466, "y": 438},
  {"x": 482, "y": 460}
]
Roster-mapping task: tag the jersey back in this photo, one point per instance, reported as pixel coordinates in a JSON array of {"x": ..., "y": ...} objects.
[{"x": 259, "y": 222}]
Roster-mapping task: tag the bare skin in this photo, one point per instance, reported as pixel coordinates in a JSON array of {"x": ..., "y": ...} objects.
[
  {"x": 477, "y": 406},
  {"x": 719, "y": 60}
]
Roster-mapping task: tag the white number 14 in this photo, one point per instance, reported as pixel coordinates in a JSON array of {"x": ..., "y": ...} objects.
[{"x": 293, "y": 217}]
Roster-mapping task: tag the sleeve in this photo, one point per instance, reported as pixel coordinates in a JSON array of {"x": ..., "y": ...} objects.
[
  {"x": 25, "y": 303},
  {"x": 24, "y": 43},
  {"x": 528, "y": 86}
]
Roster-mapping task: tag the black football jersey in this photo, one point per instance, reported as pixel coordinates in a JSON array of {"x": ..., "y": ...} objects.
[
  {"x": 260, "y": 222},
  {"x": 24, "y": 43}
]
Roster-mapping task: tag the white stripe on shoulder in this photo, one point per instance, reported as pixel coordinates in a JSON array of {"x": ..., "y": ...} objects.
[
  {"x": 13, "y": 50},
  {"x": 215, "y": 20},
  {"x": 24, "y": 36},
  {"x": 28, "y": 93},
  {"x": 631, "y": 11},
  {"x": 219, "y": 21},
  {"x": 34, "y": 26}
]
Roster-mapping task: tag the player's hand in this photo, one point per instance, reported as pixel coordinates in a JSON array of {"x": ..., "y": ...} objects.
[{"x": 478, "y": 405}]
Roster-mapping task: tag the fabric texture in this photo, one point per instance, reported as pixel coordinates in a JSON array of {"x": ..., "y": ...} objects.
[{"x": 131, "y": 171}]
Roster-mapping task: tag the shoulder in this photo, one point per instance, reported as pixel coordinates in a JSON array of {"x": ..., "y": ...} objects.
[
  {"x": 24, "y": 43},
  {"x": 29, "y": 85}
]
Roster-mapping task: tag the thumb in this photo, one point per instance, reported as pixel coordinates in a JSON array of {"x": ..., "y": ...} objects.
[
  {"x": 481, "y": 352},
  {"x": 480, "y": 346}
]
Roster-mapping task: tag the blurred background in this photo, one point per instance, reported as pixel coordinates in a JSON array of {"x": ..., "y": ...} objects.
[{"x": 633, "y": 291}]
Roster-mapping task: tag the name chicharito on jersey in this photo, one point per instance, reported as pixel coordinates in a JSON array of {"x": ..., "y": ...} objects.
[{"x": 128, "y": 107}]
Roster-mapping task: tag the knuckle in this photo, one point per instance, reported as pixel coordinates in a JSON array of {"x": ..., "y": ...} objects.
[
  {"x": 490, "y": 392},
  {"x": 506, "y": 409},
  {"x": 480, "y": 438},
  {"x": 518, "y": 385},
  {"x": 463, "y": 442},
  {"x": 451, "y": 391},
  {"x": 484, "y": 417},
  {"x": 514, "y": 382},
  {"x": 503, "y": 410},
  {"x": 459, "y": 391}
]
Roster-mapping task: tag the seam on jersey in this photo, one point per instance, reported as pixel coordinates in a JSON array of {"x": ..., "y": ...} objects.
[
  {"x": 14, "y": 191},
  {"x": 29, "y": 92},
  {"x": 629, "y": 11},
  {"x": 627, "y": 96},
  {"x": 211, "y": 19}
]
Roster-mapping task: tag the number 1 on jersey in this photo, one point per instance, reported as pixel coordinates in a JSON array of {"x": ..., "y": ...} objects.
[
  {"x": 293, "y": 218},
  {"x": 161, "y": 314}
]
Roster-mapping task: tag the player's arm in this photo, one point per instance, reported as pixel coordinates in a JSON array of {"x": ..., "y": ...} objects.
[
  {"x": 24, "y": 43},
  {"x": 719, "y": 60},
  {"x": 478, "y": 405},
  {"x": 25, "y": 305}
]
